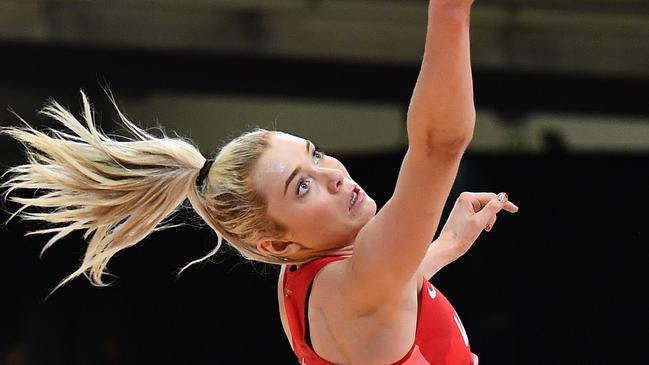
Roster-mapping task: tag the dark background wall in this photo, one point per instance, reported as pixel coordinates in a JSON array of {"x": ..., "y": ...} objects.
[{"x": 564, "y": 281}]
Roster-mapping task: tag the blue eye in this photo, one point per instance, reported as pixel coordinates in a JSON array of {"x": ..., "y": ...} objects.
[
  {"x": 319, "y": 155},
  {"x": 303, "y": 186}
]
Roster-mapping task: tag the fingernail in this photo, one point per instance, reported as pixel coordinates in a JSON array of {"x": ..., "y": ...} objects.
[{"x": 502, "y": 197}]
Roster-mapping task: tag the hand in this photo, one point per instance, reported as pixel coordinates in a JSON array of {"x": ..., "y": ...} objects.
[{"x": 471, "y": 214}]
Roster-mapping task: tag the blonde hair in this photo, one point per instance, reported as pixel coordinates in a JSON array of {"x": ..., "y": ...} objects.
[{"x": 119, "y": 192}]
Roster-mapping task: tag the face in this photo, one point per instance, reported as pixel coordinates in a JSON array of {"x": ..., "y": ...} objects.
[{"x": 310, "y": 193}]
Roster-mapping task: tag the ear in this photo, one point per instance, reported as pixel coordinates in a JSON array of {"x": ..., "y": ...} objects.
[{"x": 278, "y": 247}]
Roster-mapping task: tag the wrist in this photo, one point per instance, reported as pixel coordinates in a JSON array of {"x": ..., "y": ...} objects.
[
  {"x": 451, "y": 9},
  {"x": 452, "y": 3},
  {"x": 446, "y": 249}
]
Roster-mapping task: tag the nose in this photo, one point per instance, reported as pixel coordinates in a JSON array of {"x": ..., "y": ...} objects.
[{"x": 334, "y": 178}]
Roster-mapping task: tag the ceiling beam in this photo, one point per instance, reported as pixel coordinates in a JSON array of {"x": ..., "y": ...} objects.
[{"x": 522, "y": 35}]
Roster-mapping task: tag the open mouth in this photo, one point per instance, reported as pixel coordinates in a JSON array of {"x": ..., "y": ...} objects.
[{"x": 354, "y": 197}]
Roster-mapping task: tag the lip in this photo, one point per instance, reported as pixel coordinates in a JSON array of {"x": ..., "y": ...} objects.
[{"x": 359, "y": 198}]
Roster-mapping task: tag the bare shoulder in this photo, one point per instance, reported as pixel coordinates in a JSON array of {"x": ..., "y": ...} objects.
[
  {"x": 332, "y": 275},
  {"x": 342, "y": 332},
  {"x": 333, "y": 284},
  {"x": 331, "y": 287}
]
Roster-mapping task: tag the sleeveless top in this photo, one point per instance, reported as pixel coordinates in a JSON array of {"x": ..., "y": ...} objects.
[{"x": 440, "y": 336}]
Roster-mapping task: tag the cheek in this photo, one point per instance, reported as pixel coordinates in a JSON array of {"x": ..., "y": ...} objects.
[
  {"x": 320, "y": 209},
  {"x": 321, "y": 216}
]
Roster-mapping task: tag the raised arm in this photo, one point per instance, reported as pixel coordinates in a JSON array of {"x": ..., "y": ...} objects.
[
  {"x": 390, "y": 248},
  {"x": 441, "y": 112}
]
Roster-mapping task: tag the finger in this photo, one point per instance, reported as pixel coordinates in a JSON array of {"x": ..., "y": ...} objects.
[
  {"x": 488, "y": 213},
  {"x": 510, "y": 207},
  {"x": 491, "y": 224},
  {"x": 477, "y": 200},
  {"x": 480, "y": 200}
]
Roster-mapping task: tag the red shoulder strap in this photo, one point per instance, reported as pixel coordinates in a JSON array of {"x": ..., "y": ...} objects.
[{"x": 297, "y": 281}]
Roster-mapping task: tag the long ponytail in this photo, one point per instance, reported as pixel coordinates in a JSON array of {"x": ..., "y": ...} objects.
[{"x": 118, "y": 192}]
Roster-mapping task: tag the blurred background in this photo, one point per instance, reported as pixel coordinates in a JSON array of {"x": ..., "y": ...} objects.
[{"x": 561, "y": 91}]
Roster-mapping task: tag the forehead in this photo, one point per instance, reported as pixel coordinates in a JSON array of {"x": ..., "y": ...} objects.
[{"x": 285, "y": 152}]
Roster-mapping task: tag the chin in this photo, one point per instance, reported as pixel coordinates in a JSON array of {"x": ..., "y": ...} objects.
[
  {"x": 367, "y": 217},
  {"x": 372, "y": 203}
]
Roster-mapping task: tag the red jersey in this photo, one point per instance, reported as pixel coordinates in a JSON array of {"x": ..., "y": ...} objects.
[{"x": 440, "y": 337}]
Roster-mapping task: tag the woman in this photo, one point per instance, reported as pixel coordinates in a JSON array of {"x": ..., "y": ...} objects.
[{"x": 354, "y": 283}]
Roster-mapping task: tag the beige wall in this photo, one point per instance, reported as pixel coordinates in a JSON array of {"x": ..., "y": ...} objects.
[{"x": 354, "y": 128}]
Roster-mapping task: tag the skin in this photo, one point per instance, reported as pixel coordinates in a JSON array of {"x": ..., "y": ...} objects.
[
  {"x": 315, "y": 210},
  {"x": 363, "y": 308},
  {"x": 315, "y": 206}
]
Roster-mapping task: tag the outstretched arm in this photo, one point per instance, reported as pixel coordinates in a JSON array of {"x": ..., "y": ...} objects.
[
  {"x": 389, "y": 249},
  {"x": 441, "y": 109}
]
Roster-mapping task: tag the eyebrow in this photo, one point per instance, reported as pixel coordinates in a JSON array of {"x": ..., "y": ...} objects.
[{"x": 297, "y": 169}]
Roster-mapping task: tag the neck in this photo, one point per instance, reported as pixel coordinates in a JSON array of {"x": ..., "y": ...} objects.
[{"x": 341, "y": 251}]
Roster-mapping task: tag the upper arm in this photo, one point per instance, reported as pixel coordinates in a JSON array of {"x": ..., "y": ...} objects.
[{"x": 389, "y": 249}]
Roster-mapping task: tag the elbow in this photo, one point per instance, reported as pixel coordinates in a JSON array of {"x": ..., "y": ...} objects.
[
  {"x": 445, "y": 148},
  {"x": 459, "y": 135},
  {"x": 450, "y": 141},
  {"x": 452, "y": 146}
]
